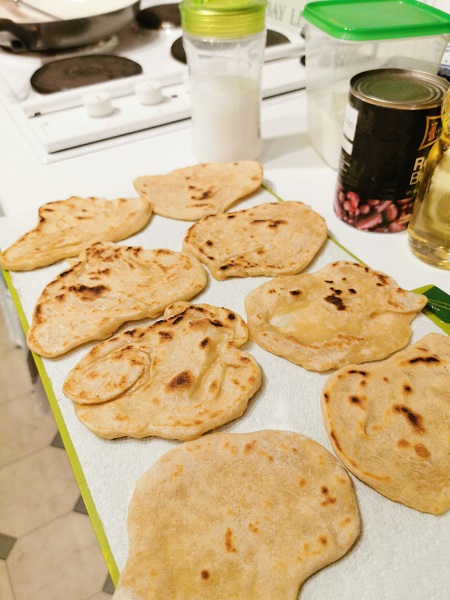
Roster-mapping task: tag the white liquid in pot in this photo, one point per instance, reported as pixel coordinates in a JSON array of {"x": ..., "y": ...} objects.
[{"x": 225, "y": 118}]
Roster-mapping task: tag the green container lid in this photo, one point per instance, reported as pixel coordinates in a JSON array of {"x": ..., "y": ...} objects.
[
  {"x": 222, "y": 18},
  {"x": 363, "y": 20}
]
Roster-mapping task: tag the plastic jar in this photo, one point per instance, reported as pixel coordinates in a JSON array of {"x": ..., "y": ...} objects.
[
  {"x": 349, "y": 37},
  {"x": 224, "y": 41}
]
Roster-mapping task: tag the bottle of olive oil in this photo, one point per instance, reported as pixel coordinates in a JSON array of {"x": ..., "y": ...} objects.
[{"x": 429, "y": 226}]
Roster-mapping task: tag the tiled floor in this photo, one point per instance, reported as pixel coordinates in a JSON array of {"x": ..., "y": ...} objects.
[{"x": 48, "y": 549}]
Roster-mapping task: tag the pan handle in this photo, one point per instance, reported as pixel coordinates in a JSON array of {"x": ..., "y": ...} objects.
[{"x": 15, "y": 37}]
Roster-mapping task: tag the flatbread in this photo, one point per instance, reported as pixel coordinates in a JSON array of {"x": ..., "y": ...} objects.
[
  {"x": 175, "y": 379},
  {"x": 344, "y": 313},
  {"x": 195, "y": 192},
  {"x": 66, "y": 227},
  {"x": 389, "y": 423},
  {"x": 237, "y": 516},
  {"x": 279, "y": 238},
  {"x": 109, "y": 285}
]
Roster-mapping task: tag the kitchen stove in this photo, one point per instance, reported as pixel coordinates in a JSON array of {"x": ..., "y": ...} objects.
[{"x": 59, "y": 125}]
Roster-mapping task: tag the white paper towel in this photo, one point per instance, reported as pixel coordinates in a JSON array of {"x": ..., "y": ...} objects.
[{"x": 402, "y": 554}]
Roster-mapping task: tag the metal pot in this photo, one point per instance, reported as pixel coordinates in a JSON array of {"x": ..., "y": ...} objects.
[{"x": 65, "y": 33}]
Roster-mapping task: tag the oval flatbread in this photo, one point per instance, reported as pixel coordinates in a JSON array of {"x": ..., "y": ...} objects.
[
  {"x": 245, "y": 516},
  {"x": 279, "y": 238},
  {"x": 389, "y": 423},
  {"x": 344, "y": 313},
  {"x": 109, "y": 285},
  {"x": 176, "y": 378},
  {"x": 195, "y": 192},
  {"x": 66, "y": 227}
]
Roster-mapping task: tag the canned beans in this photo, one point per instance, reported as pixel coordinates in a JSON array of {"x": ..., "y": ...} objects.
[{"x": 392, "y": 120}]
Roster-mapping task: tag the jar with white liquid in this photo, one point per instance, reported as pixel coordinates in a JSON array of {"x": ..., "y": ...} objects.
[{"x": 224, "y": 41}]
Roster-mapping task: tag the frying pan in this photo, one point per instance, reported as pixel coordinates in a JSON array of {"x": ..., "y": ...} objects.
[{"x": 75, "y": 23}]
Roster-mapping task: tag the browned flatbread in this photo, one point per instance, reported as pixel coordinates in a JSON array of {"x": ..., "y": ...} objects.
[
  {"x": 389, "y": 423},
  {"x": 175, "y": 379},
  {"x": 108, "y": 286},
  {"x": 66, "y": 227},
  {"x": 344, "y": 313},
  {"x": 245, "y": 516},
  {"x": 195, "y": 192},
  {"x": 279, "y": 238}
]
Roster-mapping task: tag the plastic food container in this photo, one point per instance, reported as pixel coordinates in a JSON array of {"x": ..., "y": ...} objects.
[{"x": 348, "y": 37}]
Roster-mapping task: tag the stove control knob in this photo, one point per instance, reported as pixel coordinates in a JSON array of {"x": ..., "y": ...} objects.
[
  {"x": 149, "y": 92},
  {"x": 98, "y": 104}
]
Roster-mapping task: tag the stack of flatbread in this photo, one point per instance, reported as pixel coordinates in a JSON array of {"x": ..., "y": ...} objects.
[
  {"x": 246, "y": 516},
  {"x": 279, "y": 238},
  {"x": 389, "y": 423},
  {"x": 344, "y": 313},
  {"x": 176, "y": 379},
  {"x": 66, "y": 227},
  {"x": 195, "y": 192},
  {"x": 107, "y": 286}
]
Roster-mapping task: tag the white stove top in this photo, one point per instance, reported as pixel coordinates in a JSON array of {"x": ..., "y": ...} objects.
[{"x": 58, "y": 126}]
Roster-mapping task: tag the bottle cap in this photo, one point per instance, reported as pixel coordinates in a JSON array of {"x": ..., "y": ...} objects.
[{"x": 222, "y": 18}]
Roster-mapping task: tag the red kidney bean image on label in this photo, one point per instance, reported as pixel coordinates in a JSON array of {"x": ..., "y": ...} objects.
[
  {"x": 384, "y": 149},
  {"x": 372, "y": 214}
]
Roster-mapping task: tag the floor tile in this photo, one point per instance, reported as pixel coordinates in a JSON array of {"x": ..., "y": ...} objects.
[
  {"x": 35, "y": 489},
  {"x": 15, "y": 379},
  {"x": 6, "y": 545},
  {"x": 43, "y": 521},
  {"x": 80, "y": 506},
  {"x": 58, "y": 561},
  {"x": 6, "y": 590},
  {"x": 109, "y": 586},
  {"x": 24, "y": 428},
  {"x": 57, "y": 441},
  {"x": 107, "y": 591},
  {"x": 6, "y": 343}
]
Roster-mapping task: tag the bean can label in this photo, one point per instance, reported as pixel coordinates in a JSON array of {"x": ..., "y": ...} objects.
[{"x": 392, "y": 120}]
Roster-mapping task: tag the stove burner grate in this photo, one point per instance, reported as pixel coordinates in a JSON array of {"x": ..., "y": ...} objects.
[
  {"x": 162, "y": 16},
  {"x": 274, "y": 38},
  {"x": 78, "y": 71}
]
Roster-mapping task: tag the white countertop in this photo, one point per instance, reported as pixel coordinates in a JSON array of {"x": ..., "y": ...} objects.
[
  {"x": 292, "y": 167},
  {"x": 398, "y": 544}
]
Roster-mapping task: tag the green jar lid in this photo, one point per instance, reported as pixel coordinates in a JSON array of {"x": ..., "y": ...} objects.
[
  {"x": 222, "y": 18},
  {"x": 364, "y": 20}
]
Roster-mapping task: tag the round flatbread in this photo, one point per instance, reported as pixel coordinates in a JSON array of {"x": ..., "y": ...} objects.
[
  {"x": 176, "y": 379},
  {"x": 344, "y": 313},
  {"x": 195, "y": 192},
  {"x": 245, "y": 516},
  {"x": 389, "y": 423},
  {"x": 108, "y": 286},
  {"x": 66, "y": 227},
  {"x": 279, "y": 238}
]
